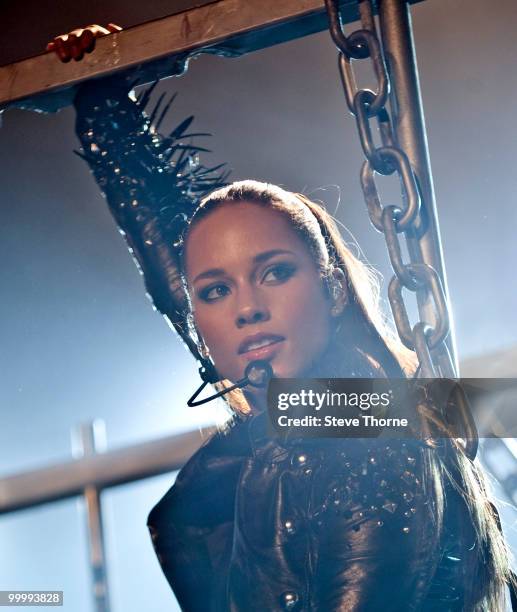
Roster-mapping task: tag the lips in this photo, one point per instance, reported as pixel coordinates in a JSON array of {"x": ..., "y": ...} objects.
[{"x": 258, "y": 342}]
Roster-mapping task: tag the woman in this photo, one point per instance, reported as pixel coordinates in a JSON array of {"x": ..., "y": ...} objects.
[
  {"x": 253, "y": 522},
  {"x": 298, "y": 525}
]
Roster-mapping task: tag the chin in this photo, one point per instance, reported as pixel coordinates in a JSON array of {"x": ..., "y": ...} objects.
[{"x": 286, "y": 370}]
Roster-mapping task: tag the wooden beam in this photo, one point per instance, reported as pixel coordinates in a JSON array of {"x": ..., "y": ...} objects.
[{"x": 229, "y": 26}]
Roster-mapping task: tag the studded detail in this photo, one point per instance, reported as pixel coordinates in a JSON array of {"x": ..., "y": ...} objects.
[
  {"x": 299, "y": 459},
  {"x": 390, "y": 506},
  {"x": 159, "y": 174},
  {"x": 290, "y": 600},
  {"x": 377, "y": 481}
]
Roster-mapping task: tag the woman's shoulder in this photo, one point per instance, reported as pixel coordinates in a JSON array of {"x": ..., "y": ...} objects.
[{"x": 206, "y": 483}]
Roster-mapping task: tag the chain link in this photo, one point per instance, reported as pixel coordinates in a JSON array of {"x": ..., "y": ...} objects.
[
  {"x": 370, "y": 43},
  {"x": 362, "y": 110},
  {"x": 397, "y": 161},
  {"x": 425, "y": 338}
]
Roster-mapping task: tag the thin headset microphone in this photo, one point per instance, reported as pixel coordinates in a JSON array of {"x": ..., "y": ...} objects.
[{"x": 257, "y": 374}]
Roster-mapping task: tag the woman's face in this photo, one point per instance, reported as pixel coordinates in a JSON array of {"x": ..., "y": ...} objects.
[{"x": 256, "y": 291}]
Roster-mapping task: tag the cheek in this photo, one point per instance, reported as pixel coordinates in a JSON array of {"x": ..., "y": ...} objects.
[
  {"x": 213, "y": 323},
  {"x": 307, "y": 320},
  {"x": 306, "y": 306}
]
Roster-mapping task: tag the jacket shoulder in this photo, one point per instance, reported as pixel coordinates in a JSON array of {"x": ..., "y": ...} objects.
[
  {"x": 205, "y": 484},
  {"x": 191, "y": 527}
]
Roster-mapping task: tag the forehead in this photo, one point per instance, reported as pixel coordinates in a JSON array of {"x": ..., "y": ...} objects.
[{"x": 234, "y": 233}]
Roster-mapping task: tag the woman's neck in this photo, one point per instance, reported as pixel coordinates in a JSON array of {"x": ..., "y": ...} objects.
[{"x": 257, "y": 400}]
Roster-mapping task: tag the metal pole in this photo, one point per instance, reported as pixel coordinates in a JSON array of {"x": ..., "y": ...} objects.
[
  {"x": 409, "y": 126},
  {"x": 91, "y": 439},
  {"x": 104, "y": 470}
]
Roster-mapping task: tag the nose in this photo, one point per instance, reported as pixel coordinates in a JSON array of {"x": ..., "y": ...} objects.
[{"x": 251, "y": 310}]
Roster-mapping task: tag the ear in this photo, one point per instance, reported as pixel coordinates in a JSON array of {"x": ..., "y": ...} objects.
[{"x": 338, "y": 291}]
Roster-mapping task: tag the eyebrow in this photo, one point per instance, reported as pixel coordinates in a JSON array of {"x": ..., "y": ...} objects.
[{"x": 260, "y": 258}]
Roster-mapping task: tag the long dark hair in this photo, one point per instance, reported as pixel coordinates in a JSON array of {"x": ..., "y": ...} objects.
[{"x": 366, "y": 335}]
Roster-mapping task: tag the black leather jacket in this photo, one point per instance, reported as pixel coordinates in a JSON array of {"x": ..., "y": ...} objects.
[{"x": 255, "y": 524}]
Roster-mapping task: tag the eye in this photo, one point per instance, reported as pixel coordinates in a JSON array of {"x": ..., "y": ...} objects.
[
  {"x": 279, "y": 273},
  {"x": 214, "y": 292}
]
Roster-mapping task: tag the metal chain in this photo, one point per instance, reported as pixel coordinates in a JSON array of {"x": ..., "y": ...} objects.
[{"x": 426, "y": 338}]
